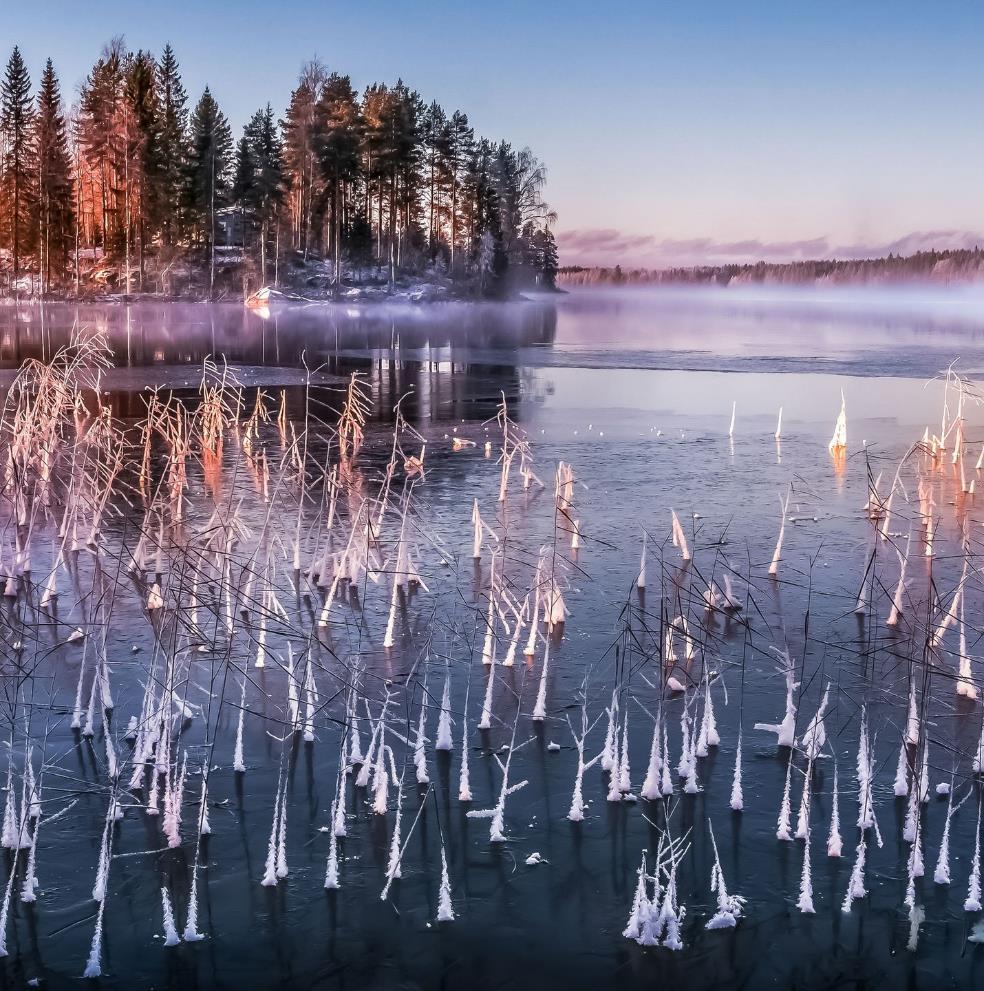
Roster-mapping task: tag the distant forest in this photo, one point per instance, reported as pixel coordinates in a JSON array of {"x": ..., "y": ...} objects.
[
  {"x": 958, "y": 265},
  {"x": 135, "y": 188}
]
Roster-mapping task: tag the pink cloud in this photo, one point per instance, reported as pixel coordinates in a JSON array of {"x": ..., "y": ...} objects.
[
  {"x": 605, "y": 239},
  {"x": 608, "y": 246},
  {"x": 916, "y": 241}
]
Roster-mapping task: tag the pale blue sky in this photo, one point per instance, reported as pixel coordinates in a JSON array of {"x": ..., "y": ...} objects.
[{"x": 672, "y": 131}]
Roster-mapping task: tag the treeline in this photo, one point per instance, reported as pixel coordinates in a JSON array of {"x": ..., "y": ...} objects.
[
  {"x": 958, "y": 264},
  {"x": 137, "y": 188}
]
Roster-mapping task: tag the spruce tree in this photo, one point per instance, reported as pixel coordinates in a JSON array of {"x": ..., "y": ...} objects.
[
  {"x": 209, "y": 166},
  {"x": 146, "y": 194},
  {"x": 268, "y": 157},
  {"x": 19, "y": 161},
  {"x": 173, "y": 150},
  {"x": 360, "y": 241},
  {"x": 242, "y": 194},
  {"x": 548, "y": 259},
  {"x": 55, "y": 194},
  {"x": 544, "y": 257},
  {"x": 258, "y": 187},
  {"x": 244, "y": 179}
]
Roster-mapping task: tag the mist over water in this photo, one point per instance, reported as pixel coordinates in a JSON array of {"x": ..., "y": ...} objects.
[
  {"x": 635, "y": 390},
  {"x": 868, "y": 331}
]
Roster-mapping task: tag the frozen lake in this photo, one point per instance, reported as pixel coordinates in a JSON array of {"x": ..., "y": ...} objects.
[{"x": 635, "y": 391}]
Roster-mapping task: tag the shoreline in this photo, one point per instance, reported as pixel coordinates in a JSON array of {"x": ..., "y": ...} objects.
[{"x": 285, "y": 298}]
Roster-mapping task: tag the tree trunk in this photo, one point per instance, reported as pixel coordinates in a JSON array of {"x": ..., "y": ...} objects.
[
  {"x": 392, "y": 230},
  {"x": 454, "y": 216},
  {"x": 211, "y": 271},
  {"x": 78, "y": 220},
  {"x": 263, "y": 247},
  {"x": 307, "y": 208},
  {"x": 336, "y": 210},
  {"x": 16, "y": 218}
]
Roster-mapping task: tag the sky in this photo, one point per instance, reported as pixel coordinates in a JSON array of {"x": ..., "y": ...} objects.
[{"x": 673, "y": 133}]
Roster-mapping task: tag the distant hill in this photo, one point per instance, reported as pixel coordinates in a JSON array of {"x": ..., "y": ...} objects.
[{"x": 956, "y": 265}]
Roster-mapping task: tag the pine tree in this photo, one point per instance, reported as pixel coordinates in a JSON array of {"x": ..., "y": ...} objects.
[
  {"x": 375, "y": 114},
  {"x": 391, "y": 162},
  {"x": 388, "y": 177},
  {"x": 403, "y": 123},
  {"x": 483, "y": 212},
  {"x": 103, "y": 142},
  {"x": 208, "y": 172},
  {"x": 19, "y": 163},
  {"x": 410, "y": 243},
  {"x": 436, "y": 144},
  {"x": 338, "y": 147},
  {"x": 461, "y": 141},
  {"x": 360, "y": 241},
  {"x": 299, "y": 157},
  {"x": 506, "y": 182},
  {"x": 55, "y": 193}
]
